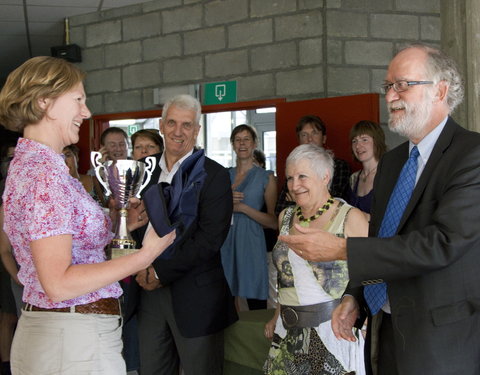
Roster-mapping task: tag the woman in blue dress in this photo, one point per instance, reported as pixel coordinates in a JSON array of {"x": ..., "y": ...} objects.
[
  {"x": 368, "y": 146},
  {"x": 244, "y": 251}
]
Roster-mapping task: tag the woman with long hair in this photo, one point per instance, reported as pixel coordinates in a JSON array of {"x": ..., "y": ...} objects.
[{"x": 368, "y": 146}]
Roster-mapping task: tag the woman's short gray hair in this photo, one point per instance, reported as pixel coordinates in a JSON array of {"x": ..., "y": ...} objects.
[
  {"x": 184, "y": 101},
  {"x": 320, "y": 159}
]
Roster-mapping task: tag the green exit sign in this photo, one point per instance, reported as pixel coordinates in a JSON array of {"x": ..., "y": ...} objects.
[
  {"x": 220, "y": 92},
  {"x": 132, "y": 129}
]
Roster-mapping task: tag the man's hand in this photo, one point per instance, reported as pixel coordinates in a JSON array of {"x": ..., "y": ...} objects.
[
  {"x": 344, "y": 317},
  {"x": 137, "y": 215},
  {"x": 316, "y": 245},
  {"x": 147, "y": 280},
  {"x": 105, "y": 155}
]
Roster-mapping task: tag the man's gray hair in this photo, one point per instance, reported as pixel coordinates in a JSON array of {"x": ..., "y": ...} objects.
[
  {"x": 184, "y": 101},
  {"x": 441, "y": 67},
  {"x": 320, "y": 159}
]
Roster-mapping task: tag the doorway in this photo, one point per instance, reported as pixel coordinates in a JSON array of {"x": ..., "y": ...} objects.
[
  {"x": 218, "y": 127},
  {"x": 217, "y": 122}
]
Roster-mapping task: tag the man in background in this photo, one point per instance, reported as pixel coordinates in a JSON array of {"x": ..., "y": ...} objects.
[
  {"x": 312, "y": 129},
  {"x": 114, "y": 144}
]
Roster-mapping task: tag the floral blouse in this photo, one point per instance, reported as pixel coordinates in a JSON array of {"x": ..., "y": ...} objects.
[{"x": 41, "y": 199}]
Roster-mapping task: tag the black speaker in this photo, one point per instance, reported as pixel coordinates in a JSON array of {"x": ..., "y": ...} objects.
[{"x": 69, "y": 52}]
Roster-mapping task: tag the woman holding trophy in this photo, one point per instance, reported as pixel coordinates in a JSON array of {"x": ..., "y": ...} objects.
[{"x": 71, "y": 321}]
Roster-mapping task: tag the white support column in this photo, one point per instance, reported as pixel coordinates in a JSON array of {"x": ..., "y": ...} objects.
[
  {"x": 460, "y": 38},
  {"x": 473, "y": 64}
]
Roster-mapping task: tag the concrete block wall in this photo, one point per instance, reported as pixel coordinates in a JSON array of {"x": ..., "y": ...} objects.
[{"x": 294, "y": 49}]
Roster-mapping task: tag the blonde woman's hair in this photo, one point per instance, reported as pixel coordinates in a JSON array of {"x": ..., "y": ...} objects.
[{"x": 41, "y": 77}]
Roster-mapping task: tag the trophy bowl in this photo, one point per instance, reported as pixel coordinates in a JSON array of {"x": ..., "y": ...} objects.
[{"x": 122, "y": 179}]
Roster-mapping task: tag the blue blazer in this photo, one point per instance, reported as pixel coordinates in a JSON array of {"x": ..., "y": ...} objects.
[{"x": 201, "y": 298}]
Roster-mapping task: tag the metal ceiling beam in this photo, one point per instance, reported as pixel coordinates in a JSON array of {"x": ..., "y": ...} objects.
[{"x": 27, "y": 28}]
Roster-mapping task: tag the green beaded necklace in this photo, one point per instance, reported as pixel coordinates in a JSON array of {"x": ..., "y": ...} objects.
[{"x": 306, "y": 222}]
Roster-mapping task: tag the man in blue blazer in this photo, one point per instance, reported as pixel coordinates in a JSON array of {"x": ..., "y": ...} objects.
[
  {"x": 430, "y": 321},
  {"x": 185, "y": 302}
]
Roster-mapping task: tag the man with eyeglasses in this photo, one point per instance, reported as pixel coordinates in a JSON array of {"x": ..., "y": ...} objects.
[
  {"x": 419, "y": 268},
  {"x": 312, "y": 129}
]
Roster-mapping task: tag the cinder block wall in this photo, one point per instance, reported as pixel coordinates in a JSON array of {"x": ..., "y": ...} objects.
[{"x": 297, "y": 49}]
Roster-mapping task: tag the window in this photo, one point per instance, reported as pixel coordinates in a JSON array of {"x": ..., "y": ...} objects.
[{"x": 214, "y": 136}]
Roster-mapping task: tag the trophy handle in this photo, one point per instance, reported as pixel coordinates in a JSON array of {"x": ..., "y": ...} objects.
[
  {"x": 95, "y": 157},
  {"x": 148, "y": 170}
]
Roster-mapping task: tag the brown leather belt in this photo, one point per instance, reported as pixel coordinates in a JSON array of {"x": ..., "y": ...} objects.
[{"x": 109, "y": 306}]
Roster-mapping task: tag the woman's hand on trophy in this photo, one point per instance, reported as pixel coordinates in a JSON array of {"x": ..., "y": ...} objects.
[
  {"x": 137, "y": 214},
  {"x": 112, "y": 210},
  {"x": 155, "y": 245}
]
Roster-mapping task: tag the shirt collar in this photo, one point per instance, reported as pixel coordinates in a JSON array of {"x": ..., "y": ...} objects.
[
  {"x": 163, "y": 162},
  {"x": 425, "y": 146}
]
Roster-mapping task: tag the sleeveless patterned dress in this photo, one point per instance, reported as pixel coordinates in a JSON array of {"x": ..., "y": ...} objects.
[{"x": 315, "y": 350}]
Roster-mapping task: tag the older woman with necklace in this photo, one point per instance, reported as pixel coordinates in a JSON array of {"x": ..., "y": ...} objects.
[
  {"x": 368, "y": 146},
  {"x": 303, "y": 340}
]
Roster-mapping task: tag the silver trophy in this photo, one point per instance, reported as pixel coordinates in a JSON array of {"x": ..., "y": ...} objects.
[{"x": 122, "y": 179}]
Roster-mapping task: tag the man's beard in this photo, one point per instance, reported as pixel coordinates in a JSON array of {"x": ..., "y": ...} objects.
[{"x": 414, "y": 119}]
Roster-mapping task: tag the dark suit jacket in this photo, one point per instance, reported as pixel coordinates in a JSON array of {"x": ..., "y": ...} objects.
[
  {"x": 432, "y": 266},
  {"x": 201, "y": 298}
]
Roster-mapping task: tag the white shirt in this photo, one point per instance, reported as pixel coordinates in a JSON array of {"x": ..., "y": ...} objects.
[
  {"x": 425, "y": 147},
  {"x": 167, "y": 176}
]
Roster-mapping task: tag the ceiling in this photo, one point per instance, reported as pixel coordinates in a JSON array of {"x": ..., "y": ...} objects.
[{"x": 44, "y": 20}]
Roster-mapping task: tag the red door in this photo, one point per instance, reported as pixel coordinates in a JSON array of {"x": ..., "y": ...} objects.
[{"x": 339, "y": 115}]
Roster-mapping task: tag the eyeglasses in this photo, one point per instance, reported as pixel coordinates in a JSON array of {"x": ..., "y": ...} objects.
[{"x": 401, "y": 86}]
